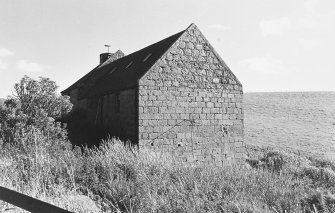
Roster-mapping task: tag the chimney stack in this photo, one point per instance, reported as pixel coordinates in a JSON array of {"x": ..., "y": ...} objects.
[
  {"x": 110, "y": 56},
  {"x": 104, "y": 57}
]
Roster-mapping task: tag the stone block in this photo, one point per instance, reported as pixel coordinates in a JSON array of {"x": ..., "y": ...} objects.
[
  {"x": 157, "y": 116},
  {"x": 162, "y": 122},
  {"x": 206, "y": 99},
  {"x": 238, "y": 144},
  {"x": 175, "y": 116},
  {"x": 145, "y": 116},
  {"x": 181, "y": 135},
  {"x": 210, "y": 104},
  {"x": 171, "y": 122},
  {"x": 215, "y": 110},
  {"x": 171, "y": 135},
  {"x": 157, "y": 129},
  {"x": 210, "y": 116},
  {"x": 216, "y": 80},
  {"x": 199, "y": 47},
  {"x": 198, "y": 110},
  {"x": 180, "y": 110},
  {"x": 217, "y": 104},
  {"x": 144, "y": 136},
  {"x": 189, "y": 110},
  {"x": 231, "y": 105},
  {"x": 190, "y": 45},
  {"x": 182, "y": 44},
  {"x": 185, "y": 116},
  {"x": 232, "y": 116},
  {"x": 230, "y": 95},
  {"x": 218, "y": 116},
  {"x": 230, "y": 110}
]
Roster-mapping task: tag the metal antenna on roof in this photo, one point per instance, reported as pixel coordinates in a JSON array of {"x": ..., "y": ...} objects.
[{"x": 108, "y": 46}]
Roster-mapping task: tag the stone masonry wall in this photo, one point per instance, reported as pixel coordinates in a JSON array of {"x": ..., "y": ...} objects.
[{"x": 190, "y": 104}]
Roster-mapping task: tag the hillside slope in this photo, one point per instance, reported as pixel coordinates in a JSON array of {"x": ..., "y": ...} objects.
[{"x": 295, "y": 121}]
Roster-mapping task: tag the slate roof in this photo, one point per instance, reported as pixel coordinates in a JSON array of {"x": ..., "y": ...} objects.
[
  {"x": 93, "y": 75},
  {"x": 122, "y": 73}
]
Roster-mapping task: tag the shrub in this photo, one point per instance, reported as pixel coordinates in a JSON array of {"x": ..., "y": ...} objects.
[
  {"x": 322, "y": 177},
  {"x": 319, "y": 201},
  {"x": 273, "y": 161},
  {"x": 35, "y": 105},
  {"x": 36, "y": 96}
]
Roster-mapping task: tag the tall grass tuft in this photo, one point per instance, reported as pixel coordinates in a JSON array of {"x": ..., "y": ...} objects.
[{"x": 117, "y": 178}]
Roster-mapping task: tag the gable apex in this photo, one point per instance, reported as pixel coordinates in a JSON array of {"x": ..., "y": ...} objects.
[
  {"x": 191, "y": 26},
  {"x": 189, "y": 41},
  {"x": 193, "y": 30}
]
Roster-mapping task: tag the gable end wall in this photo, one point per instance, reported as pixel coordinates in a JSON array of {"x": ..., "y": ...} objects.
[{"x": 190, "y": 104}]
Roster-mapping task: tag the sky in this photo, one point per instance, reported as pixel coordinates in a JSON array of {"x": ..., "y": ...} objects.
[{"x": 270, "y": 45}]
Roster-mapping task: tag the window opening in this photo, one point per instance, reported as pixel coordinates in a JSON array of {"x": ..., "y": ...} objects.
[
  {"x": 148, "y": 56},
  {"x": 112, "y": 70},
  {"x": 129, "y": 64}
]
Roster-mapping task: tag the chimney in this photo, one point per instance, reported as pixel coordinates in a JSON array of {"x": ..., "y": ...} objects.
[
  {"x": 104, "y": 57},
  {"x": 110, "y": 56}
]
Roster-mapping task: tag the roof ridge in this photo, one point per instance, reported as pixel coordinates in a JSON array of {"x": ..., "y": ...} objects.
[{"x": 126, "y": 73}]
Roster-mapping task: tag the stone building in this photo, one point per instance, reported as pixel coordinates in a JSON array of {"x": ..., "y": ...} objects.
[{"x": 176, "y": 95}]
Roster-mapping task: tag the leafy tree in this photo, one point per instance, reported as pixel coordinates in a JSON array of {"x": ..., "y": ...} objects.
[
  {"x": 35, "y": 96},
  {"x": 2, "y": 101},
  {"x": 34, "y": 105}
]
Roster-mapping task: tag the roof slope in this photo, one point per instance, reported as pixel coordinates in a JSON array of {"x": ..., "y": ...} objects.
[
  {"x": 87, "y": 79},
  {"x": 122, "y": 73}
]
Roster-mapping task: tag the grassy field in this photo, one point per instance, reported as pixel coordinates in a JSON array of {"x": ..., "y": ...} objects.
[{"x": 294, "y": 121}]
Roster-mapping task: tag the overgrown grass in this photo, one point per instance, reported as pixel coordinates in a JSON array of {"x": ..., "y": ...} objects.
[{"x": 114, "y": 178}]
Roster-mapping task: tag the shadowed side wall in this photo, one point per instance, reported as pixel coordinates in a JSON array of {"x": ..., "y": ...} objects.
[
  {"x": 190, "y": 104},
  {"x": 120, "y": 122},
  {"x": 105, "y": 119},
  {"x": 74, "y": 97}
]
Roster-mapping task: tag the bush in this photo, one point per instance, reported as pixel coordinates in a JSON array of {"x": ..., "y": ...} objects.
[
  {"x": 319, "y": 201},
  {"x": 320, "y": 177},
  {"x": 273, "y": 161},
  {"x": 34, "y": 106}
]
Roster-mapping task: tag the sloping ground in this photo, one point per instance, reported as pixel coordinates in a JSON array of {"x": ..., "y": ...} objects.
[{"x": 298, "y": 121}]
